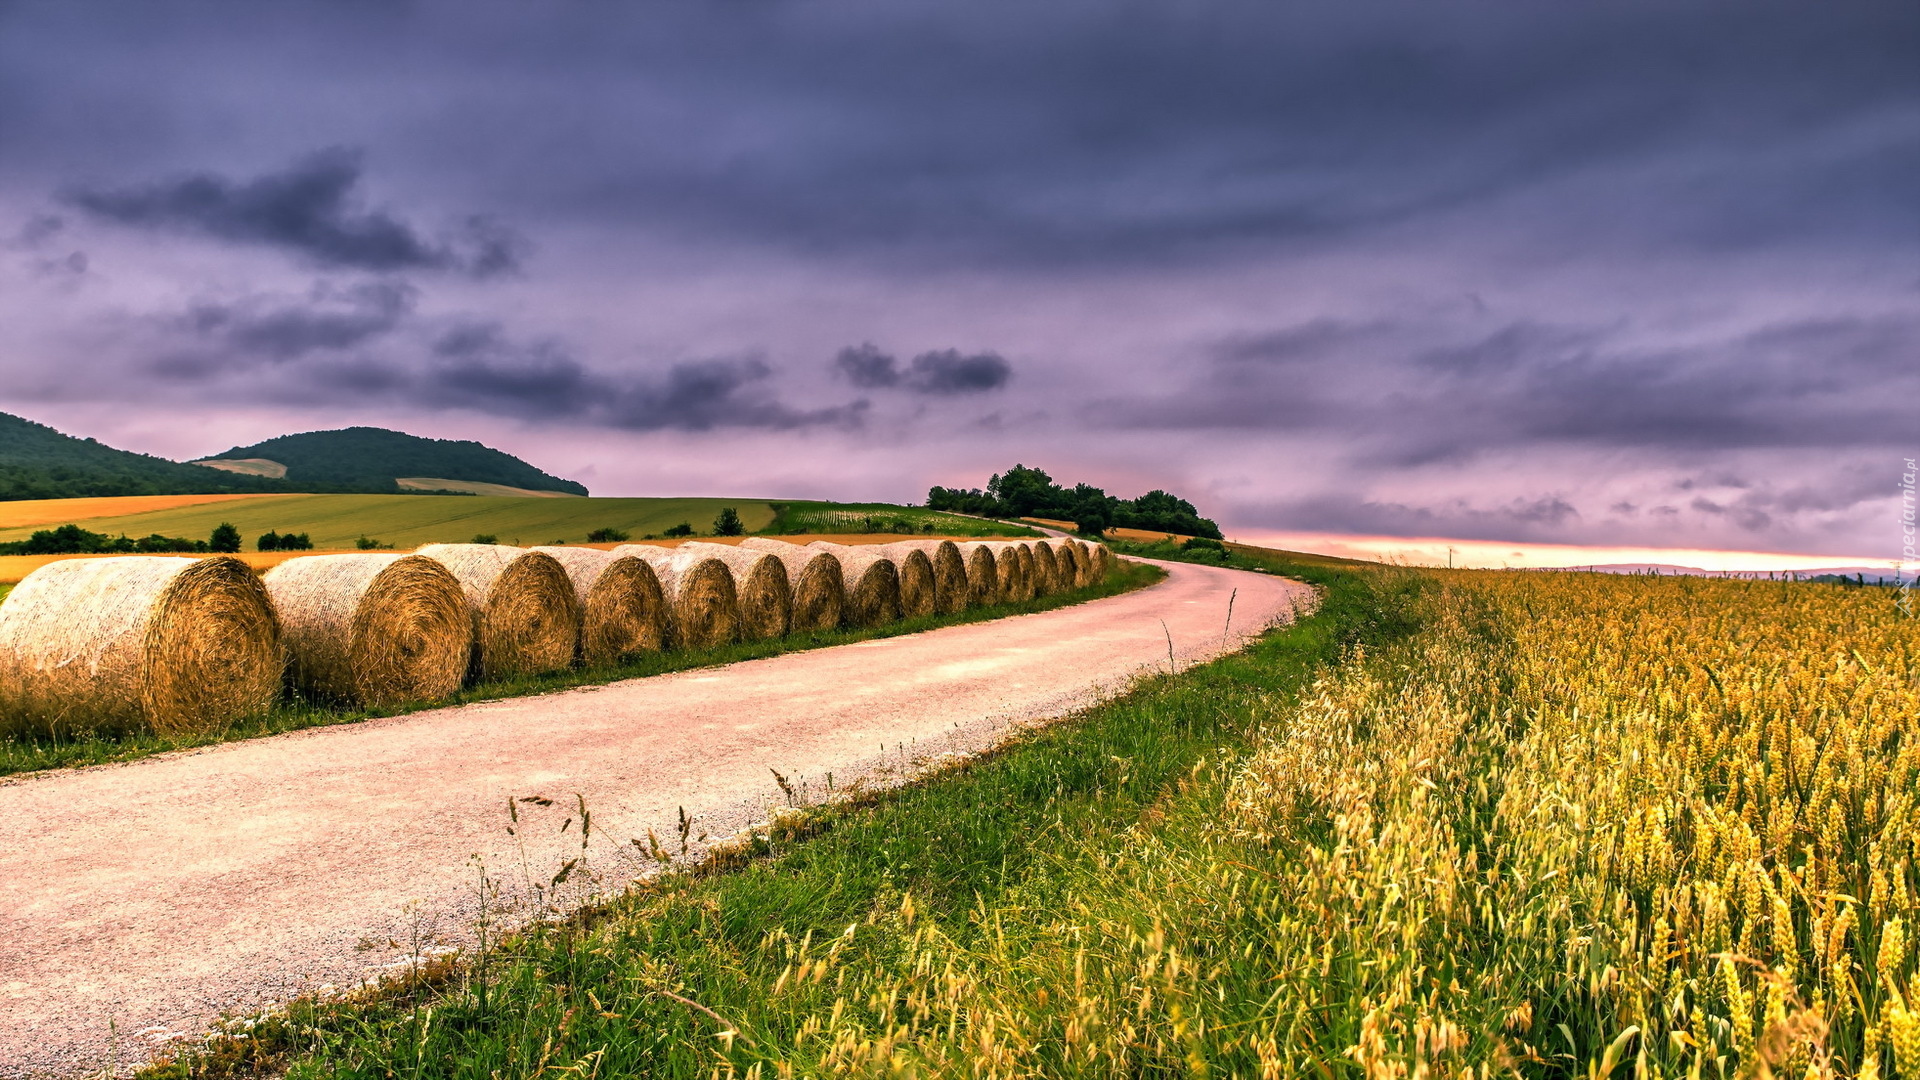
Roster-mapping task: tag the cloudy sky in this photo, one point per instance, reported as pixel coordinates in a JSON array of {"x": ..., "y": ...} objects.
[{"x": 1622, "y": 274}]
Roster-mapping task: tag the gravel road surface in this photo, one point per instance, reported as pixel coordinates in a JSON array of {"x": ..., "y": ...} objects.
[{"x": 161, "y": 895}]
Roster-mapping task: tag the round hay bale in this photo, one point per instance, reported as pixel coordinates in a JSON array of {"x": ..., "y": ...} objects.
[
  {"x": 699, "y": 591},
  {"x": 983, "y": 574},
  {"x": 1067, "y": 557},
  {"x": 760, "y": 582},
  {"x": 1102, "y": 561},
  {"x": 873, "y": 584},
  {"x": 178, "y": 646},
  {"x": 373, "y": 629},
  {"x": 1046, "y": 568},
  {"x": 1015, "y": 563},
  {"x": 1082, "y": 564},
  {"x": 526, "y": 617},
  {"x": 819, "y": 587},
  {"x": 623, "y": 612},
  {"x": 949, "y": 573},
  {"x": 918, "y": 593}
]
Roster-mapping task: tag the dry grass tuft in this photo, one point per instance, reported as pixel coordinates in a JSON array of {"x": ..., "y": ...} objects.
[
  {"x": 525, "y": 615},
  {"x": 699, "y": 590},
  {"x": 624, "y": 613},
  {"x": 816, "y": 578},
  {"x": 178, "y": 646},
  {"x": 373, "y": 629}
]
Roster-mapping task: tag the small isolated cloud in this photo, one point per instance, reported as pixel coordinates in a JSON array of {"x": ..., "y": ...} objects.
[
  {"x": 946, "y": 371},
  {"x": 330, "y": 318},
  {"x": 868, "y": 367},
  {"x": 310, "y": 208}
]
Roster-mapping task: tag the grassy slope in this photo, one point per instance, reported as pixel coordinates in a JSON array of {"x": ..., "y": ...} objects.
[
  {"x": 635, "y": 989},
  {"x": 27, "y": 753},
  {"x": 407, "y": 521},
  {"x": 825, "y": 517}
]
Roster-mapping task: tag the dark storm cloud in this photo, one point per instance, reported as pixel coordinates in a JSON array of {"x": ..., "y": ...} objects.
[
  {"x": 310, "y": 208},
  {"x": 479, "y": 367},
  {"x": 1537, "y": 518},
  {"x": 330, "y": 318},
  {"x": 940, "y": 372}
]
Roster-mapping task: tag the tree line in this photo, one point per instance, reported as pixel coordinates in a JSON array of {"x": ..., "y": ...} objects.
[{"x": 1024, "y": 492}]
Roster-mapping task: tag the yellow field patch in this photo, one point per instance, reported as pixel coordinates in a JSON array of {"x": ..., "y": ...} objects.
[{"x": 31, "y": 513}]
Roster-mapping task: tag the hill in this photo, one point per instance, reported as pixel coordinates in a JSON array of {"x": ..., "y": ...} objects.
[
  {"x": 375, "y": 460},
  {"x": 37, "y": 462}
]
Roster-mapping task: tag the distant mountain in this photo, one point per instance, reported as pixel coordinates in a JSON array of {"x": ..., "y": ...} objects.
[
  {"x": 376, "y": 459},
  {"x": 37, "y": 462}
]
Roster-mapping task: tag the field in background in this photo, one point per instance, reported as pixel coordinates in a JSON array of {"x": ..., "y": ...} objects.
[
  {"x": 22, "y": 516},
  {"x": 1460, "y": 823},
  {"x": 407, "y": 521}
]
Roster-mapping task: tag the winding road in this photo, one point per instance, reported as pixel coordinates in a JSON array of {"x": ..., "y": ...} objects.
[{"x": 151, "y": 898}]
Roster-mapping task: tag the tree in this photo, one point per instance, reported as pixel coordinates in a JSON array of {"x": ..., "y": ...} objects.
[
  {"x": 682, "y": 529},
  {"x": 269, "y": 541},
  {"x": 225, "y": 538},
  {"x": 728, "y": 523}
]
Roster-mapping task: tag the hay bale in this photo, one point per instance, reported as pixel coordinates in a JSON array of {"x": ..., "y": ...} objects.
[
  {"x": 699, "y": 591},
  {"x": 919, "y": 594},
  {"x": 1046, "y": 568},
  {"x": 949, "y": 573},
  {"x": 375, "y": 629},
  {"x": 873, "y": 584},
  {"x": 526, "y": 617},
  {"x": 1015, "y": 563},
  {"x": 818, "y": 586},
  {"x": 179, "y": 646},
  {"x": 760, "y": 582},
  {"x": 623, "y": 612},
  {"x": 1082, "y": 563},
  {"x": 1067, "y": 557},
  {"x": 1102, "y": 561},
  {"x": 983, "y": 574}
]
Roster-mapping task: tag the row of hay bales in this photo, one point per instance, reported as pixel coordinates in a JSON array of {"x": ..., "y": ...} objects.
[{"x": 180, "y": 645}]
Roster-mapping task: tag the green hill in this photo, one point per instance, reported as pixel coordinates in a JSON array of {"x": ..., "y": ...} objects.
[
  {"x": 37, "y": 462},
  {"x": 374, "y": 459}
]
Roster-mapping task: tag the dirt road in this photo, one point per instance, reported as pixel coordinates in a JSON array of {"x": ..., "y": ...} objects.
[{"x": 161, "y": 894}]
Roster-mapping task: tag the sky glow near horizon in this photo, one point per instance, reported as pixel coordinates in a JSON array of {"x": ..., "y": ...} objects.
[{"x": 1635, "y": 277}]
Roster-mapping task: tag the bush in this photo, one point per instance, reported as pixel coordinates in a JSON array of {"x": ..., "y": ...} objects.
[
  {"x": 273, "y": 541},
  {"x": 74, "y": 540},
  {"x": 225, "y": 538},
  {"x": 1201, "y": 543},
  {"x": 728, "y": 523},
  {"x": 485, "y": 538},
  {"x": 368, "y": 543},
  {"x": 682, "y": 529},
  {"x": 606, "y": 536}
]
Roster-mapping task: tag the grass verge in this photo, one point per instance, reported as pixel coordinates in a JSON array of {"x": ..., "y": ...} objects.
[
  {"x": 801, "y": 959},
  {"x": 799, "y": 518},
  {"x": 28, "y": 753}
]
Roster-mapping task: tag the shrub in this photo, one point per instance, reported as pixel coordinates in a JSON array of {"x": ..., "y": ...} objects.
[
  {"x": 728, "y": 523},
  {"x": 682, "y": 529},
  {"x": 1201, "y": 543},
  {"x": 225, "y": 538},
  {"x": 368, "y": 543},
  {"x": 485, "y": 538},
  {"x": 606, "y": 536}
]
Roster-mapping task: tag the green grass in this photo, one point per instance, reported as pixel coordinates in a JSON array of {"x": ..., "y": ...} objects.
[
  {"x": 28, "y": 753},
  {"x": 807, "y": 959},
  {"x": 407, "y": 521},
  {"x": 821, "y": 517}
]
